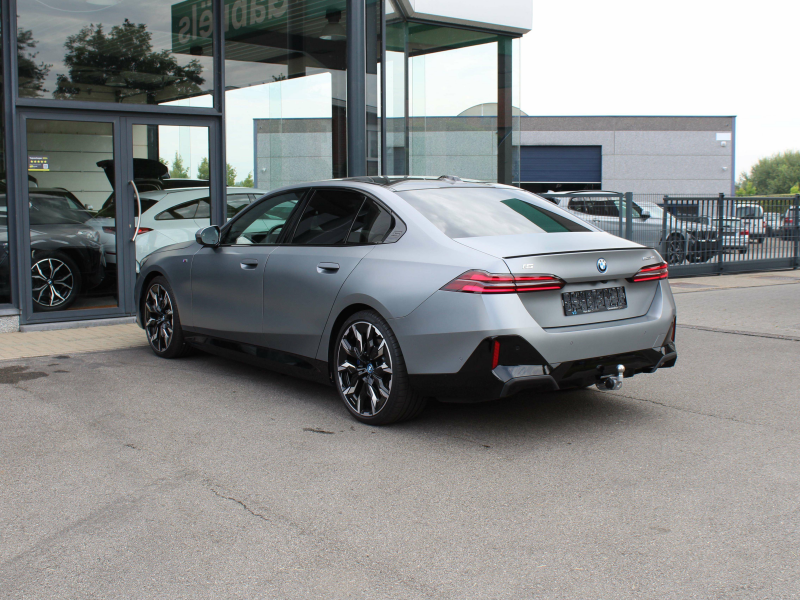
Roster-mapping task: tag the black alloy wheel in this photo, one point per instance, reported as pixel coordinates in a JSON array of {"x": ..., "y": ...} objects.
[
  {"x": 55, "y": 282},
  {"x": 676, "y": 249},
  {"x": 161, "y": 321},
  {"x": 370, "y": 374}
]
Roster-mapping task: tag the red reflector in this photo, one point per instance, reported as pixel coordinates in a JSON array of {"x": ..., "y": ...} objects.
[
  {"x": 481, "y": 282},
  {"x": 142, "y": 230},
  {"x": 652, "y": 272},
  {"x": 495, "y": 353}
]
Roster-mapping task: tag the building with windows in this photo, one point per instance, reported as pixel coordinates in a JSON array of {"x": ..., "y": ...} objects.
[{"x": 128, "y": 125}]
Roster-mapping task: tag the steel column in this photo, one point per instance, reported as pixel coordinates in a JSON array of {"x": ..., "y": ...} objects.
[
  {"x": 505, "y": 127},
  {"x": 356, "y": 88}
]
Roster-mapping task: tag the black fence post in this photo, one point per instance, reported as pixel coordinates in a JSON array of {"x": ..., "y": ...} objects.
[
  {"x": 718, "y": 229},
  {"x": 795, "y": 214},
  {"x": 664, "y": 245},
  {"x": 619, "y": 214},
  {"x": 628, "y": 215}
]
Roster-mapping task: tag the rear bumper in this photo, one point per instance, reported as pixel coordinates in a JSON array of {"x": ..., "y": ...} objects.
[{"x": 478, "y": 382}]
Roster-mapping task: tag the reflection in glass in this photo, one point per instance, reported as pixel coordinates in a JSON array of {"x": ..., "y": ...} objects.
[
  {"x": 143, "y": 52},
  {"x": 69, "y": 265},
  {"x": 285, "y": 98}
]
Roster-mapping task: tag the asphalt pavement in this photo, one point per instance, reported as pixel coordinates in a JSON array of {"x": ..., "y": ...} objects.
[{"x": 126, "y": 476}]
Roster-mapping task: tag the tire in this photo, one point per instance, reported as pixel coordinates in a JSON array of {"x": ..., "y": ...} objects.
[
  {"x": 55, "y": 281},
  {"x": 160, "y": 315},
  {"x": 366, "y": 338},
  {"x": 675, "y": 252}
]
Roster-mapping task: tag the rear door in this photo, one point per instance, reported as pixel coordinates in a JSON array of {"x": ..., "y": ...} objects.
[{"x": 303, "y": 277}]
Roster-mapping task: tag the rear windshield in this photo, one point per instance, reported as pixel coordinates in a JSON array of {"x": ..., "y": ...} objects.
[
  {"x": 749, "y": 212},
  {"x": 478, "y": 212}
]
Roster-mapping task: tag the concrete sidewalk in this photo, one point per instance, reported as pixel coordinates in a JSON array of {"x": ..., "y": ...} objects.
[
  {"x": 70, "y": 341},
  {"x": 115, "y": 337}
]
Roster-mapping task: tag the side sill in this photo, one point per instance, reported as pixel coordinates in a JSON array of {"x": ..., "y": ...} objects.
[{"x": 302, "y": 367}]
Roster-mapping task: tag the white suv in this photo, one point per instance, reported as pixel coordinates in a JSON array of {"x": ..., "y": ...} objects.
[{"x": 752, "y": 215}]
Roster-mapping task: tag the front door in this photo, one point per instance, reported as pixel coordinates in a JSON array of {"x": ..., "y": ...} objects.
[{"x": 227, "y": 281}]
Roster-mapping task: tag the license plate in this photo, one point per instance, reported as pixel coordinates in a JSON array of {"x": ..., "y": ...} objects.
[{"x": 592, "y": 301}]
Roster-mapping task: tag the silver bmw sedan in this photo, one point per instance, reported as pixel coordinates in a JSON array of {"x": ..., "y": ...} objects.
[{"x": 395, "y": 290}]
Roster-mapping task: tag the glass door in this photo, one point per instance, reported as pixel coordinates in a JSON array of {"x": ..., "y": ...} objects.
[
  {"x": 168, "y": 183},
  {"x": 71, "y": 267},
  {"x": 103, "y": 193}
]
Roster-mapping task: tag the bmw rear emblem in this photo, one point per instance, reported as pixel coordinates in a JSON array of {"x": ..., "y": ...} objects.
[{"x": 602, "y": 265}]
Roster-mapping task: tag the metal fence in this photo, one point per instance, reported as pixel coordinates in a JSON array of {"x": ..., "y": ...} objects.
[{"x": 698, "y": 234}]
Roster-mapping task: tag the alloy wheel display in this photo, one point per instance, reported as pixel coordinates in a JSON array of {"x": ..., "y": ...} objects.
[
  {"x": 53, "y": 282},
  {"x": 364, "y": 368}
]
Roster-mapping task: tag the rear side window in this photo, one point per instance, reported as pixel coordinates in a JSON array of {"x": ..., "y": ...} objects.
[
  {"x": 478, "y": 212},
  {"x": 186, "y": 210},
  {"x": 371, "y": 226},
  {"x": 237, "y": 202},
  {"x": 749, "y": 212},
  {"x": 327, "y": 218}
]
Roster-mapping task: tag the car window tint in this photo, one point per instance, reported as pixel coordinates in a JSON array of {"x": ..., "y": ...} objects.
[
  {"x": 186, "y": 210},
  {"x": 327, "y": 218},
  {"x": 262, "y": 224},
  {"x": 463, "y": 212},
  {"x": 237, "y": 202},
  {"x": 371, "y": 226},
  {"x": 203, "y": 209}
]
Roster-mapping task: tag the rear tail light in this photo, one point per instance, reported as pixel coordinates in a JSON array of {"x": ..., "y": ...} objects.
[
  {"x": 745, "y": 232},
  {"x": 113, "y": 230},
  {"x": 653, "y": 272},
  {"x": 481, "y": 282}
]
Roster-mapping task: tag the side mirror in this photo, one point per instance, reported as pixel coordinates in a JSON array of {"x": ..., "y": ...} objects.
[
  {"x": 208, "y": 236},
  {"x": 645, "y": 215}
]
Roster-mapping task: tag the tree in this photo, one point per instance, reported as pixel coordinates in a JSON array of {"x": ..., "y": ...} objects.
[
  {"x": 247, "y": 181},
  {"x": 31, "y": 74},
  {"x": 178, "y": 171},
  {"x": 123, "y": 63},
  {"x": 772, "y": 175},
  {"x": 203, "y": 172}
]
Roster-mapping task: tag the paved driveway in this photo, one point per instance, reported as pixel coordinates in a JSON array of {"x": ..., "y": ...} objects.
[{"x": 128, "y": 476}]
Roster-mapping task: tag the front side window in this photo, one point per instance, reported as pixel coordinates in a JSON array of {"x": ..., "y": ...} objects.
[
  {"x": 237, "y": 202},
  {"x": 478, "y": 212},
  {"x": 263, "y": 224},
  {"x": 328, "y": 217}
]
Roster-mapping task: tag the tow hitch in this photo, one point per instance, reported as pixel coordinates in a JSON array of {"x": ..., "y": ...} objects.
[{"x": 611, "y": 382}]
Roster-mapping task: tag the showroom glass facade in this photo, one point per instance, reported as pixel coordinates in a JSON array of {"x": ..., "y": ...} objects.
[{"x": 131, "y": 124}]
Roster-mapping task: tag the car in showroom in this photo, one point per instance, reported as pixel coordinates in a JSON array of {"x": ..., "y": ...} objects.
[
  {"x": 396, "y": 290},
  {"x": 680, "y": 240},
  {"x": 168, "y": 216},
  {"x": 67, "y": 258}
]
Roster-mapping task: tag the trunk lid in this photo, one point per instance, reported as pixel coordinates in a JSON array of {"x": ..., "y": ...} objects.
[{"x": 574, "y": 258}]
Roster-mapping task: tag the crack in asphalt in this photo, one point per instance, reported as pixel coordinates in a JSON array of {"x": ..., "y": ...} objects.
[
  {"x": 690, "y": 411},
  {"x": 240, "y": 503},
  {"x": 771, "y": 336}
]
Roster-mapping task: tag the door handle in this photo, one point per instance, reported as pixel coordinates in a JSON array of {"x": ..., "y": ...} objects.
[
  {"x": 139, "y": 204},
  {"x": 327, "y": 267},
  {"x": 249, "y": 264}
]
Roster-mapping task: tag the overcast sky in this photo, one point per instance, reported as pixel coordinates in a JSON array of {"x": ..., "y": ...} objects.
[{"x": 699, "y": 57}]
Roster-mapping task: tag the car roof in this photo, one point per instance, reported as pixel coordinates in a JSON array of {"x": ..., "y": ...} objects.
[{"x": 415, "y": 182}]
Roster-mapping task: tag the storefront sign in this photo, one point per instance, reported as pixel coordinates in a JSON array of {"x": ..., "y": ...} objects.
[
  {"x": 193, "y": 21},
  {"x": 38, "y": 163}
]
